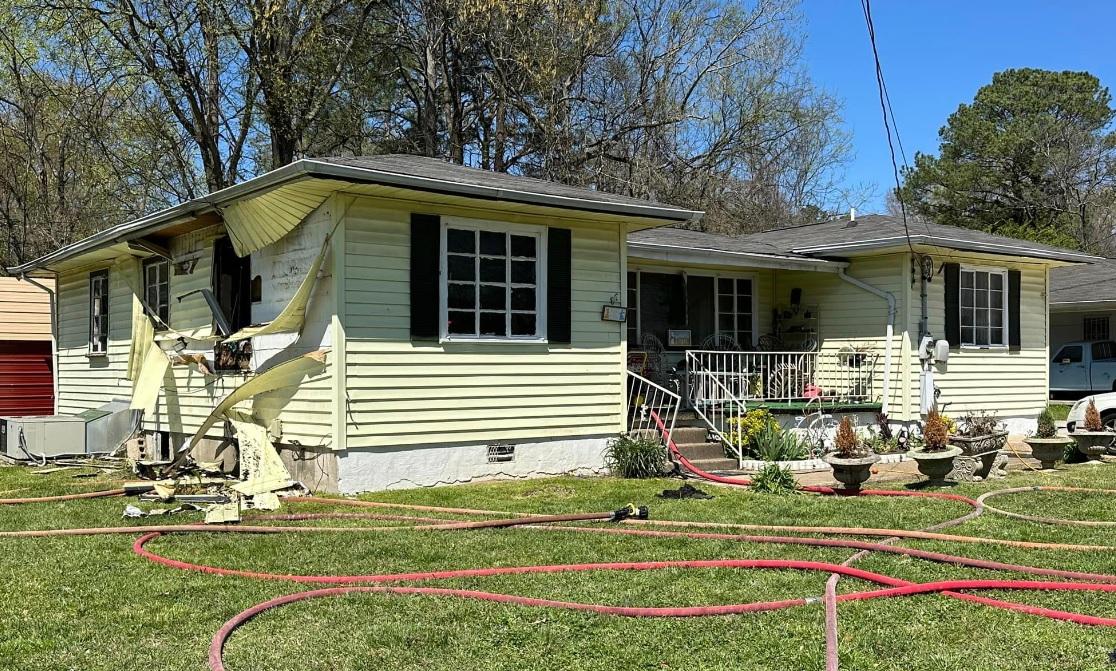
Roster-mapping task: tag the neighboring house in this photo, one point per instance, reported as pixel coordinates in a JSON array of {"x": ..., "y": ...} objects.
[
  {"x": 828, "y": 289},
  {"x": 26, "y": 357},
  {"x": 1082, "y": 303},
  {"x": 461, "y": 313}
]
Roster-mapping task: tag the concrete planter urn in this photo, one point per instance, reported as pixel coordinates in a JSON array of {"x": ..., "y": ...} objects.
[
  {"x": 1093, "y": 443},
  {"x": 935, "y": 465},
  {"x": 1048, "y": 451},
  {"x": 851, "y": 471}
]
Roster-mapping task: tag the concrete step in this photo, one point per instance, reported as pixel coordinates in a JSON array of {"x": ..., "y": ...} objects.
[
  {"x": 694, "y": 451},
  {"x": 689, "y": 434},
  {"x": 715, "y": 464}
]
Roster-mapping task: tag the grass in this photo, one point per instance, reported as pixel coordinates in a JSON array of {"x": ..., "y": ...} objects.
[
  {"x": 90, "y": 603},
  {"x": 1060, "y": 410}
]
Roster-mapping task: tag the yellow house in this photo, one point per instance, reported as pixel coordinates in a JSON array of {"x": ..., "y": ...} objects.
[
  {"x": 451, "y": 321},
  {"x": 848, "y": 316},
  {"x": 396, "y": 321}
]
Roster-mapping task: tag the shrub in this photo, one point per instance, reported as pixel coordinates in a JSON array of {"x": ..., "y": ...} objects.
[
  {"x": 883, "y": 427},
  {"x": 846, "y": 444},
  {"x": 979, "y": 424},
  {"x": 774, "y": 479},
  {"x": 1092, "y": 418},
  {"x": 935, "y": 434},
  {"x": 743, "y": 430},
  {"x": 1046, "y": 428},
  {"x": 771, "y": 443},
  {"x": 631, "y": 457}
]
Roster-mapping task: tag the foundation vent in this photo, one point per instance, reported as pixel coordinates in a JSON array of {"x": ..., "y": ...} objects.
[{"x": 500, "y": 452}]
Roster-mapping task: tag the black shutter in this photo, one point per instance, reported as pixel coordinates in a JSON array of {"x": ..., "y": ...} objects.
[
  {"x": 953, "y": 304},
  {"x": 558, "y": 280},
  {"x": 426, "y": 257},
  {"x": 1014, "y": 338}
]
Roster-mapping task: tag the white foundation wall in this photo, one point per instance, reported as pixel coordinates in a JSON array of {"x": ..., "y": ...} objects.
[{"x": 378, "y": 469}]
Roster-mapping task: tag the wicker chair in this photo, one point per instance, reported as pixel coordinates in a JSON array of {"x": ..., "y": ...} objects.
[
  {"x": 719, "y": 342},
  {"x": 651, "y": 344}
]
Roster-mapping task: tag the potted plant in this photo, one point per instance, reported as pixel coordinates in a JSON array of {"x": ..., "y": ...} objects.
[
  {"x": 1091, "y": 436},
  {"x": 851, "y": 459},
  {"x": 980, "y": 439},
  {"x": 935, "y": 457},
  {"x": 1046, "y": 445}
]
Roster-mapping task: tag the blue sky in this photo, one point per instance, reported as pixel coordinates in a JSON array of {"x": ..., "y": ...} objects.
[{"x": 935, "y": 55}]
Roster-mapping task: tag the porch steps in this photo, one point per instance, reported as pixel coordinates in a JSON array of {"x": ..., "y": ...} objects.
[{"x": 692, "y": 438}]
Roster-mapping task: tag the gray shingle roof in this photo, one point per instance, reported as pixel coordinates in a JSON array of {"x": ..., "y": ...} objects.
[
  {"x": 877, "y": 231},
  {"x": 437, "y": 169},
  {"x": 677, "y": 237},
  {"x": 1084, "y": 284}
]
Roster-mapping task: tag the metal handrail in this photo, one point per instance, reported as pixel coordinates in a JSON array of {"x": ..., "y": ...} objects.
[
  {"x": 645, "y": 399},
  {"x": 735, "y": 406}
]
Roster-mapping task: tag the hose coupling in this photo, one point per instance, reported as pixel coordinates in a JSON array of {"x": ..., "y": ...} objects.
[{"x": 630, "y": 510}]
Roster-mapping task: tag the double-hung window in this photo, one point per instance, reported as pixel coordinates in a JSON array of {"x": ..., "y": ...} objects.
[
  {"x": 494, "y": 283},
  {"x": 98, "y": 312},
  {"x": 156, "y": 289},
  {"x": 983, "y": 307}
]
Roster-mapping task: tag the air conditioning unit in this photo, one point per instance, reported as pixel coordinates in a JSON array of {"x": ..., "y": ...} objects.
[{"x": 45, "y": 436}]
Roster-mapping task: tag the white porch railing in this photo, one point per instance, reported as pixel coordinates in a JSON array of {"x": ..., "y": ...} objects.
[
  {"x": 647, "y": 401},
  {"x": 716, "y": 399},
  {"x": 838, "y": 376}
]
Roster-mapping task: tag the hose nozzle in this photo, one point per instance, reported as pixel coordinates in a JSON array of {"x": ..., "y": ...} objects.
[{"x": 630, "y": 510}]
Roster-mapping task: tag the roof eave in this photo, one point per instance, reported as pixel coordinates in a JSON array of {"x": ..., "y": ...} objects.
[
  {"x": 952, "y": 243},
  {"x": 419, "y": 183},
  {"x": 689, "y": 254}
]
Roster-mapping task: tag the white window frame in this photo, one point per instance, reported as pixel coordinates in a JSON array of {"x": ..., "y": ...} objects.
[
  {"x": 155, "y": 265},
  {"x": 736, "y": 300},
  {"x": 95, "y": 347},
  {"x": 540, "y": 235},
  {"x": 1005, "y": 328}
]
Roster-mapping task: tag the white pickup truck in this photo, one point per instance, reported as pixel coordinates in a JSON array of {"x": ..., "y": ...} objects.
[{"x": 1084, "y": 366}]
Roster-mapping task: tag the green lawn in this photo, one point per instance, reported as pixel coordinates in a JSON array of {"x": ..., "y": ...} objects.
[{"x": 91, "y": 604}]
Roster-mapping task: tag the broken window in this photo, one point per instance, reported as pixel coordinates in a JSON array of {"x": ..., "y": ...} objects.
[
  {"x": 98, "y": 312},
  {"x": 232, "y": 291},
  {"x": 156, "y": 290}
]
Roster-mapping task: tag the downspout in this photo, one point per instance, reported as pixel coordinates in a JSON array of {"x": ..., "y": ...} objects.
[
  {"x": 52, "y": 293},
  {"x": 890, "y": 298}
]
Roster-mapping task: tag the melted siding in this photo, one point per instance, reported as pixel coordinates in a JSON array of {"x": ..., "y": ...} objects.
[
  {"x": 24, "y": 310},
  {"x": 400, "y": 393}
]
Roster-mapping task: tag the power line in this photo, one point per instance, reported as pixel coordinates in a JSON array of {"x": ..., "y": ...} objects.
[{"x": 888, "y": 120}]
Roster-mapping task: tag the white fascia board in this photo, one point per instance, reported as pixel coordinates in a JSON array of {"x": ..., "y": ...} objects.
[
  {"x": 951, "y": 243},
  {"x": 699, "y": 256}
]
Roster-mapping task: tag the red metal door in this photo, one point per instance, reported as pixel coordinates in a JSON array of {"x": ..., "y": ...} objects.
[{"x": 26, "y": 378}]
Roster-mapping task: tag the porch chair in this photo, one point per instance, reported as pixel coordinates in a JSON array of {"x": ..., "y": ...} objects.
[
  {"x": 654, "y": 349},
  {"x": 719, "y": 342}
]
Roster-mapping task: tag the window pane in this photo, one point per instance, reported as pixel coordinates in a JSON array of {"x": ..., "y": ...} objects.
[
  {"x": 996, "y": 281},
  {"x": 724, "y": 285},
  {"x": 493, "y": 297},
  {"x": 523, "y": 245},
  {"x": 966, "y": 280},
  {"x": 1072, "y": 353},
  {"x": 462, "y": 323},
  {"x": 726, "y": 324},
  {"x": 461, "y": 268},
  {"x": 996, "y": 299},
  {"x": 523, "y": 272},
  {"x": 981, "y": 318},
  {"x": 968, "y": 316},
  {"x": 966, "y": 298},
  {"x": 523, "y": 298},
  {"x": 725, "y": 304},
  {"x": 493, "y": 324},
  {"x": 523, "y": 324},
  {"x": 996, "y": 318},
  {"x": 744, "y": 287},
  {"x": 981, "y": 299},
  {"x": 493, "y": 244},
  {"x": 492, "y": 270},
  {"x": 980, "y": 280},
  {"x": 458, "y": 240},
  {"x": 462, "y": 296},
  {"x": 968, "y": 336}
]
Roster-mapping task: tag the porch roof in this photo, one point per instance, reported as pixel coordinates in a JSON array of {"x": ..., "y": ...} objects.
[
  {"x": 1091, "y": 287},
  {"x": 840, "y": 237},
  {"x": 686, "y": 246}
]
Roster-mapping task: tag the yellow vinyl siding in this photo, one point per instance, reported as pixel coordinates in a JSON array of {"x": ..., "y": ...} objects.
[
  {"x": 188, "y": 396},
  {"x": 1009, "y": 383},
  {"x": 24, "y": 310},
  {"x": 849, "y": 316},
  {"x": 425, "y": 392}
]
